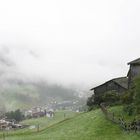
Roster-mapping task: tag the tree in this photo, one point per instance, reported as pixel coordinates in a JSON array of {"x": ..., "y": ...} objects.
[
  {"x": 90, "y": 101},
  {"x": 132, "y": 100},
  {"x": 17, "y": 115},
  {"x": 136, "y": 93}
]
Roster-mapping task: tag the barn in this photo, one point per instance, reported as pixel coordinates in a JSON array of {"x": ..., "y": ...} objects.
[
  {"x": 134, "y": 70},
  {"x": 118, "y": 84}
]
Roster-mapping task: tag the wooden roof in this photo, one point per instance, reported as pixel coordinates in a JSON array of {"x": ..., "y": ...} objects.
[
  {"x": 136, "y": 61},
  {"x": 121, "y": 81}
]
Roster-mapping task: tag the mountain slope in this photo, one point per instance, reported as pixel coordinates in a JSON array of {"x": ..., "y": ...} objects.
[{"x": 19, "y": 94}]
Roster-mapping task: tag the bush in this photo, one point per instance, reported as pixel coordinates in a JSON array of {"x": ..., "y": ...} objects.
[
  {"x": 111, "y": 97},
  {"x": 127, "y": 97},
  {"x": 90, "y": 101},
  {"x": 136, "y": 94},
  {"x": 130, "y": 109}
]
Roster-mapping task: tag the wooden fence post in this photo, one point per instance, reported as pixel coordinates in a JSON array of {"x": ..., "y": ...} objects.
[
  {"x": 38, "y": 128},
  {"x": 113, "y": 115},
  {"x": 3, "y": 136}
]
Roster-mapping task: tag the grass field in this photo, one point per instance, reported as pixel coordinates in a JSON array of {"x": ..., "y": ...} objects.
[
  {"x": 85, "y": 126},
  {"x": 46, "y": 122},
  {"x": 43, "y": 122}
]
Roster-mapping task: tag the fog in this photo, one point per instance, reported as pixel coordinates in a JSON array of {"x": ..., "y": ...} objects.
[{"x": 77, "y": 43}]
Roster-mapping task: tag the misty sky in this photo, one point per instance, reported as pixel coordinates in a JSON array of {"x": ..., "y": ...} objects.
[{"x": 71, "y": 42}]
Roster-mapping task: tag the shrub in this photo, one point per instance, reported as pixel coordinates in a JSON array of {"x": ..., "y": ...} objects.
[
  {"x": 130, "y": 109},
  {"x": 111, "y": 97},
  {"x": 132, "y": 97},
  {"x": 127, "y": 97}
]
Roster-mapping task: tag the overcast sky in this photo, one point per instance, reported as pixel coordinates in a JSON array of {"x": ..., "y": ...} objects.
[{"x": 71, "y": 42}]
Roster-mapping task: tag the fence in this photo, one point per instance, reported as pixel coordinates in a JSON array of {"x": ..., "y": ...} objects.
[{"x": 128, "y": 126}]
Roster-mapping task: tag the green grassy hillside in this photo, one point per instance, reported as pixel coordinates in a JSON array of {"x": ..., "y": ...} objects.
[
  {"x": 86, "y": 126},
  {"x": 43, "y": 123},
  {"x": 46, "y": 122}
]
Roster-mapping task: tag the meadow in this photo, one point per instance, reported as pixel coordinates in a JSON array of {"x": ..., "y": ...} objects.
[{"x": 85, "y": 126}]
